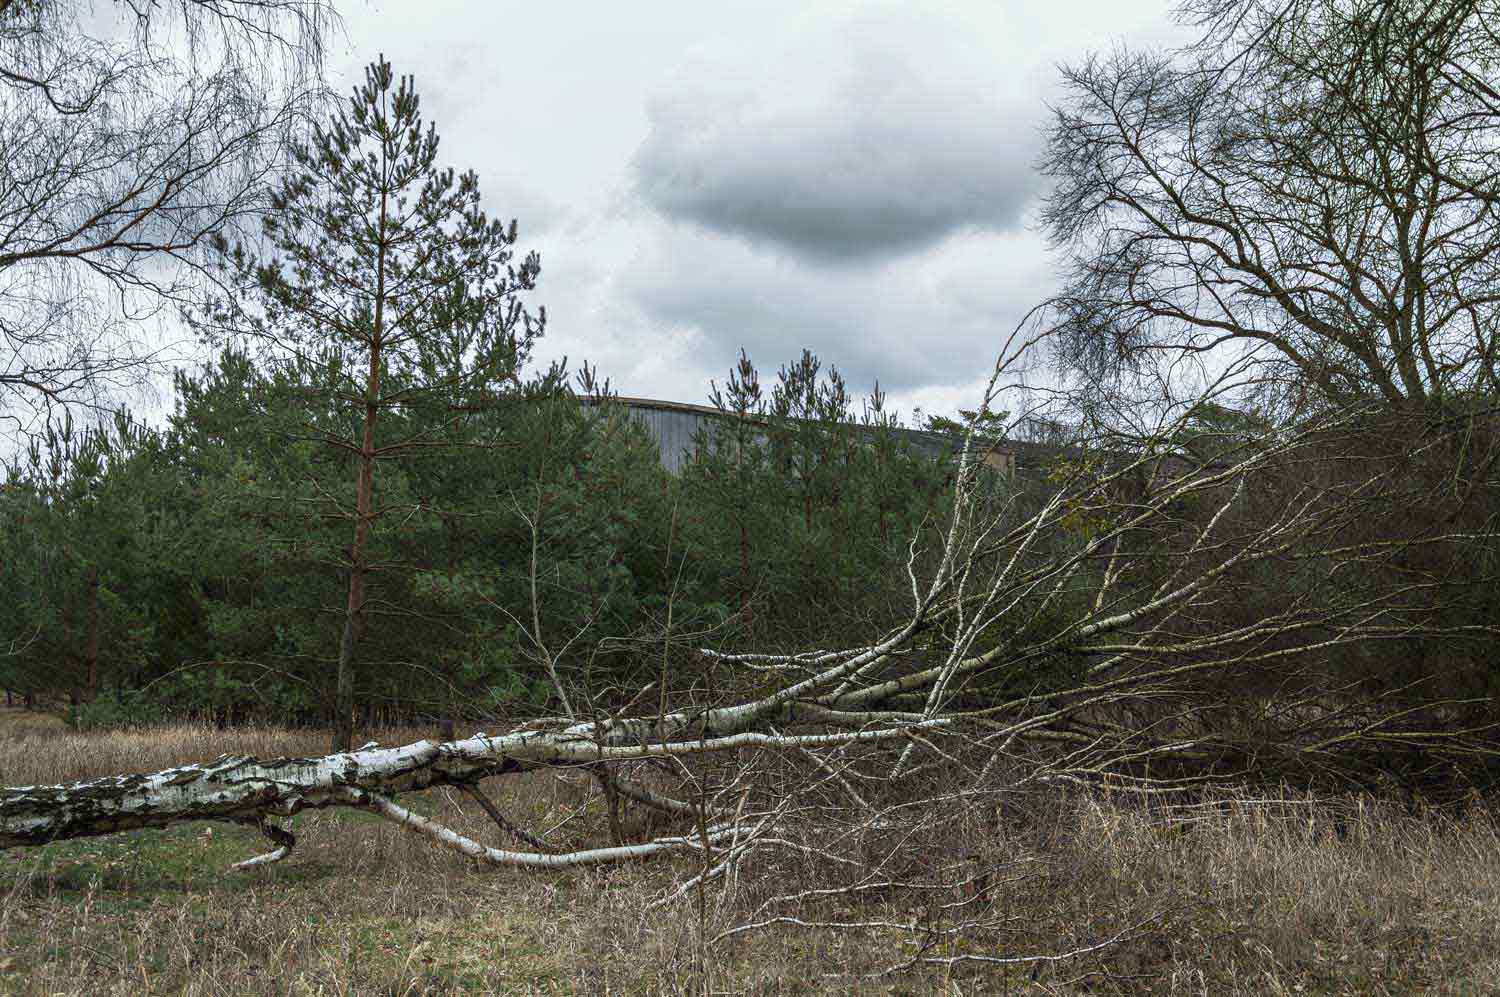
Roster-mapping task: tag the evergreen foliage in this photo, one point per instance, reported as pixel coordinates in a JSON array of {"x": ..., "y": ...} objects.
[
  {"x": 222, "y": 554},
  {"x": 388, "y": 305}
]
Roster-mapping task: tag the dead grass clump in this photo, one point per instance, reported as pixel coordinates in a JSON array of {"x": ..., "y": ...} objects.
[
  {"x": 56, "y": 753},
  {"x": 21, "y": 724},
  {"x": 1269, "y": 894}
]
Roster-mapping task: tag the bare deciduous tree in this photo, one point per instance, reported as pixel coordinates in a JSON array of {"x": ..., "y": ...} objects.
[
  {"x": 1314, "y": 183},
  {"x": 129, "y": 134}
]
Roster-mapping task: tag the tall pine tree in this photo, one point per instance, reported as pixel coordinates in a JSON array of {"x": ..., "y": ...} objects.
[{"x": 396, "y": 299}]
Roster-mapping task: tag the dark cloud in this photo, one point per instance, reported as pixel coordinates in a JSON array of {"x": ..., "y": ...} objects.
[{"x": 895, "y": 159}]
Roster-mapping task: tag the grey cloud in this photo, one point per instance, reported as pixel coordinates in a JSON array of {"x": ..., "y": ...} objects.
[
  {"x": 935, "y": 320},
  {"x": 888, "y": 163},
  {"x": 534, "y": 212}
]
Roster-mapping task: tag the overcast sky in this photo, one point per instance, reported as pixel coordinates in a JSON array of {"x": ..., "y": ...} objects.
[{"x": 857, "y": 178}]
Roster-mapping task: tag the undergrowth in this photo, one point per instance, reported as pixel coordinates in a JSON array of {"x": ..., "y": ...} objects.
[{"x": 1232, "y": 894}]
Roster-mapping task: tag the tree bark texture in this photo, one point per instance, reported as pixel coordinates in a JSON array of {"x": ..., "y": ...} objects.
[
  {"x": 91, "y": 647},
  {"x": 343, "y": 731}
]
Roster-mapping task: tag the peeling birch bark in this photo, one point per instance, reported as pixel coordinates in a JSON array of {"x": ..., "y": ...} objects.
[{"x": 244, "y": 789}]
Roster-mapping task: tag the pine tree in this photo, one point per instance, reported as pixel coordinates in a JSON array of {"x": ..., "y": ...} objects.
[
  {"x": 739, "y": 448},
  {"x": 72, "y": 520},
  {"x": 396, "y": 299}
]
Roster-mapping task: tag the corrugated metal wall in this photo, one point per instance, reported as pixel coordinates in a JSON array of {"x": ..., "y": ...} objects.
[
  {"x": 673, "y": 425},
  {"x": 673, "y": 430}
]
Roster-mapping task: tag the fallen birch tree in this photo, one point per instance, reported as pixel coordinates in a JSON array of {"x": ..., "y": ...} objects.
[{"x": 1069, "y": 634}]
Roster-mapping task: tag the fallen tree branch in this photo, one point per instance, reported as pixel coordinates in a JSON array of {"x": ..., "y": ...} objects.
[
  {"x": 284, "y": 840},
  {"x": 451, "y": 839},
  {"x": 504, "y": 823},
  {"x": 244, "y": 789},
  {"x": 1091, "y": 654}
]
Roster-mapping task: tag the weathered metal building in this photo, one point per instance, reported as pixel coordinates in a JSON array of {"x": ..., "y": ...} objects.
[{"x": 674, "y": 425}]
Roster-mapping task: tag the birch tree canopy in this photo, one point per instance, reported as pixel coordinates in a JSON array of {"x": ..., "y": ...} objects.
[
  {"x": 131, "y": 133},
  {"x": 1313, "y": 183}
]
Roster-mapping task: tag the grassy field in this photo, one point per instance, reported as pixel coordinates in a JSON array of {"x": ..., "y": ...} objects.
[{"x": 1288, "y": 895}]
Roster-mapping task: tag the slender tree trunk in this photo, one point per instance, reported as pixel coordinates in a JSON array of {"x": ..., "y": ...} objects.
[
  {"x": 885, "y": 533},
  {"x": 742, "y": 508},
  {"x": 72, "y": 651},
  {"x": 745, "y": 610},
  {"x": 343, "y": 730},
  {"x": 91, "y": 644}
]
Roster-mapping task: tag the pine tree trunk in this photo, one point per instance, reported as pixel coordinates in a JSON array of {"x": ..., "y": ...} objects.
[
  {"x": 745, "y": 610},
  {"x": 743, "y": 510},
  {"x": 91, "y": 645},
  {"x": 343, "y": 703},
  {"x": 72, "y": 651},
  {"x": 343, "y": 729}
]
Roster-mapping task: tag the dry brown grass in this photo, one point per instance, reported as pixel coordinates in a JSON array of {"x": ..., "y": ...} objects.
[
  {"x": 39, "y": 748},
  {"x": 1288, "y": 895},
  {"x": 18, "y": 723}
]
